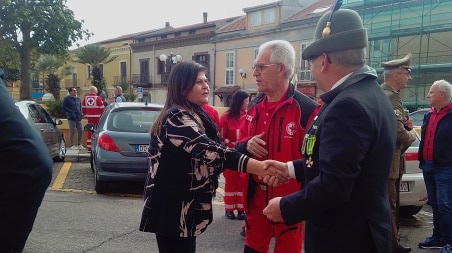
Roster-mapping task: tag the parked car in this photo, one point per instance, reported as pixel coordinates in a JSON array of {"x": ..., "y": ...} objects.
[
  {"x": 120, "y": 143},
  {"x": 413, "y": 194},
  {"x": 40, "y": 119},
  {"x": 418, "y": 116}
]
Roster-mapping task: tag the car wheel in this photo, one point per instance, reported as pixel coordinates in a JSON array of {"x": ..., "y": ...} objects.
[
  {"x": 61, "y": 151},
  {"x": 99, "y": 186},
  {"x": 406, "y": 211}
]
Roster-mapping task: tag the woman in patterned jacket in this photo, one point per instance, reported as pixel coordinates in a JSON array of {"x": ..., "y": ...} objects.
[{"x": 185, "y": 155}]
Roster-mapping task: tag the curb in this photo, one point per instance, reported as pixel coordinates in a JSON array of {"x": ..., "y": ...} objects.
[{"x": 77, "y": 156}]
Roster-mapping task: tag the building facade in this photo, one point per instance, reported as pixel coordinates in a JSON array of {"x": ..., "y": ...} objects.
[{"x": 229, "y": 46}]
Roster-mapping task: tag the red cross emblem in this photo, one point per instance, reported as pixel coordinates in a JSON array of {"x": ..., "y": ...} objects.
[{"x": 90, "y": 101}]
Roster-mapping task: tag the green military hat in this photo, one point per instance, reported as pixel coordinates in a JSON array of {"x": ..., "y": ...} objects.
[
  {"x": 403, "y": 63},
  {"x": 337, "y": 31}
]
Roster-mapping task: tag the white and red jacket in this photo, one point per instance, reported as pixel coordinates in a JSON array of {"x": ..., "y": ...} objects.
[
  {"x": 284, "y": 135},
  {"x": 92, "y": 107}
]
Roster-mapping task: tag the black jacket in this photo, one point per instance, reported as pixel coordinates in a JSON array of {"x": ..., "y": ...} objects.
[
  {"x": 25, "y": 174},
  {"x": 344, "y": 200},
  {"x": 184, "y": 161}
]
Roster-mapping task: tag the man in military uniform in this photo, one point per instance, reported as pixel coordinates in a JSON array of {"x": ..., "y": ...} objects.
[
  {"x": 347, "y": 150},
  {"x": 396, "y": 77}
]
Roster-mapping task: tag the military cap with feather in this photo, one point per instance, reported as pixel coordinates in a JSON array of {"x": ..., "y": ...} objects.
[{"x": 337, "y": 30}]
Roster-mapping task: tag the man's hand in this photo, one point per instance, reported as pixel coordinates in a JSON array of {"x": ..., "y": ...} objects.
[
  {"x": 274, "y": 175},
  {"x": 256, "y": 146},
  {"x": 408, "y": 124},
  {"x": 272, "y": 211},
  {"x": 282, "y": 171}
]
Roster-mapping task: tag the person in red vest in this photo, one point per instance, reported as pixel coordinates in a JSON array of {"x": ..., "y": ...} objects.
[
  {"x": 213, "y": 114},
  {"x": 230, "y": 124},
  {"x": 92, "y": 108}
]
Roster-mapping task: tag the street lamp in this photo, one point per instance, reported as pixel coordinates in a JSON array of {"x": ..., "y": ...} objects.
[
  {"x": 168, "y": 62},
  {"x": 243, "y": 75}
]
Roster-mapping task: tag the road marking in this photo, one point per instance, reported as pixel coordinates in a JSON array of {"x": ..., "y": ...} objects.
[
  {"x": 64, "y": 171},
  {"x": 75, "y": 190},
  {"x": 61, "y": 177}
]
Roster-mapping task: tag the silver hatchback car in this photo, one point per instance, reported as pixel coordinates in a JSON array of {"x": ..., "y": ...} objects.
[
  {"x": 120, "y": 143},
  {"x": 413, "y": 194},
  {"x": 40, "y": 119}
]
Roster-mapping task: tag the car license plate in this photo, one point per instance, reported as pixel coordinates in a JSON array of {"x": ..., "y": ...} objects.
[
  {"x": 141, "y": 148},
  {"x": 404, "y": 186}
]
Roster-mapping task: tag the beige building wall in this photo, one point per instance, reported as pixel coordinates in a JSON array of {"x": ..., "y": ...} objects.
[
  {"x": 158, "y": 93},
  {"x": 81, "y": 77},
  {"x": 245, "y": 50}
]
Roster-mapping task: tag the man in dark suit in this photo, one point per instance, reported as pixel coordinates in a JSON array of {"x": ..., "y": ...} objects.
[
  {"x": 347, "y": 150},
  {"x": 25, "y": 174}
]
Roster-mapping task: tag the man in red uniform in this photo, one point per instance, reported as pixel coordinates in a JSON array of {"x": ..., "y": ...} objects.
[
  {"x": 92, "y": 108},
  {"x": 274, "y": 129}
]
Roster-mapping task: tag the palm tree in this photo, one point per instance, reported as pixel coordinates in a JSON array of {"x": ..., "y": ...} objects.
[
  {"x": 95, "y": 55},
  {"x": 49, "y": 65}
]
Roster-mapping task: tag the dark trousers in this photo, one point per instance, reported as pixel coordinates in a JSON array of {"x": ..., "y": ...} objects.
[{"x": 171, "y": 244}]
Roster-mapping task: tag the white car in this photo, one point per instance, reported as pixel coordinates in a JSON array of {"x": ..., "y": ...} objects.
[
  {"x": 418, "y": 116},
  {"x": 413, "y": 194}
]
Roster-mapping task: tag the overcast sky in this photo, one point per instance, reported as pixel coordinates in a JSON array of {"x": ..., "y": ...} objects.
[{"x": 109, "y": 19}]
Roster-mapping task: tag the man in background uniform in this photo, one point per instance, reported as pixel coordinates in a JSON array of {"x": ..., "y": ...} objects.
[
  {"x": 396, "y": 76},
  {"x": 92, "y": 108}
]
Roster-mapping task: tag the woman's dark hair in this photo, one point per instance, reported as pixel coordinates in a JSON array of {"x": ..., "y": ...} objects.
[
  {"x": 236, "y": 104},
  {"x": 181, "y": 80}
]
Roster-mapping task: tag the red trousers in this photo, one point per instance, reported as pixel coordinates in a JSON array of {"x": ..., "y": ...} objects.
[
  {"x": 93, "y": 121},
  {"x": 233, "y": 190},
  {"x": 259, "y": 230}
]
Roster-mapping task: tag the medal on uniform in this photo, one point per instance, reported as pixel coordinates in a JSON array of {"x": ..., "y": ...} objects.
[
  {"x": 310, "y": 141},
  {"x": 308, "y": 145}
]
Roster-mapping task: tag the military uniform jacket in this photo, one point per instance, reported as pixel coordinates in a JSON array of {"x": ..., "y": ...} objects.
[
  {"x": 404, "y": 137},
  {"x": 344, "y": 200}
]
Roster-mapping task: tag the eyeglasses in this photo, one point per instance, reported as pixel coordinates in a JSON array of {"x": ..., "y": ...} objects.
[
  {"x": 260, "y": 67},
  {"x": 408, "y": 73}
]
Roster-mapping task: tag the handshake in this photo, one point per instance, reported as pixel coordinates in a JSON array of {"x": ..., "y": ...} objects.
[{"x": 270, "y": 171}]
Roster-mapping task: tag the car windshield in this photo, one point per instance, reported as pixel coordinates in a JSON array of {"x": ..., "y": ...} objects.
[{"x": 138, "y": 121}]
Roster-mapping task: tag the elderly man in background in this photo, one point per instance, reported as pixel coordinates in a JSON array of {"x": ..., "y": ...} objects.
[
  {"x": 119, "y": 97},
  {"x": 435, "y": 160},
  {"x": 92, "y": 108}
]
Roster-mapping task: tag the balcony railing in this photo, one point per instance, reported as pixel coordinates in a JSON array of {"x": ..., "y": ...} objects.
[
  {"x": 120, "y": 79},
  {"x": 71, "y": 83},
  {"x": 142, "y": 80}
]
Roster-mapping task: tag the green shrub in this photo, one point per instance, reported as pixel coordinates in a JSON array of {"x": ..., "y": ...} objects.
[
  {"x": 130, "y": 97},
  {"x": 55, "y": 109}
]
